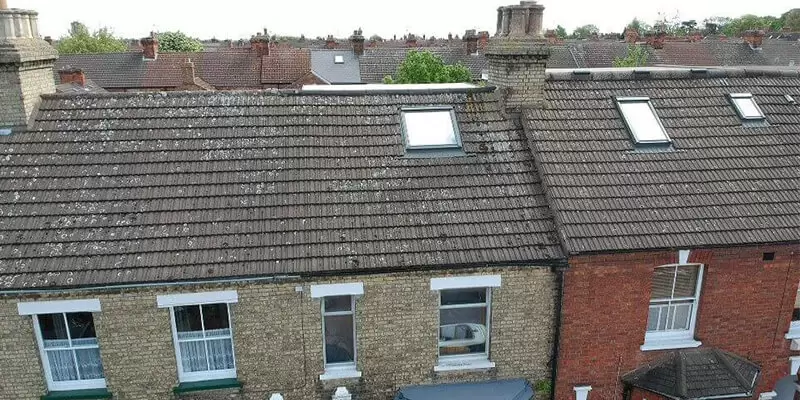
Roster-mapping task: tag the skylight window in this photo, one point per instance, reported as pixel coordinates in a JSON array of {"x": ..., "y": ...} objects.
[
  {"x": 338, "y": 59},
  {"x": 430, "y": 128},
  {"x": 746, "y": 106},
  {"x": 641, "y": 120}
]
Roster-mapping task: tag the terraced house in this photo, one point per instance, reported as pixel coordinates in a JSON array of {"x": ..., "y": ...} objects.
[{"x": 617, "y": 234}]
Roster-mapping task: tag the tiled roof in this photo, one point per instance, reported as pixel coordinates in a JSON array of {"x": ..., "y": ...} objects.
[
  {"x": 376, "y": 63},
  {"x": 697, "y": 374},
  {"x": 285, "y": 65},
  {"x": 76, "y": 88},
  {"x": 148, "y": 187},
  {"x": 322, "y": 63},
  {"x": 722, "y": 184}
]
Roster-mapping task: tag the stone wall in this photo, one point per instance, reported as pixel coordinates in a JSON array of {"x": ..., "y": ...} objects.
[{"x": 278, "y": 337}]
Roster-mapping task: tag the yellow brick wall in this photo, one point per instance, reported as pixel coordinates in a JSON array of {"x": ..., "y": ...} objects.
[{"x": 278, "y": 337}]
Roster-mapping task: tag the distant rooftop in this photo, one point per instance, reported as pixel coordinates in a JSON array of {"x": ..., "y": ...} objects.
[{"x": 388, "y": 88}]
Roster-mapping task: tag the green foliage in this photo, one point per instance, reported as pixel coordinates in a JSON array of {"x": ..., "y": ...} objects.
[
  {"x": 426, "y": 67},
  {"x": 388, "y": 80},
  {"x": 640, "y": 26},
  {"x": 749, "y": 21},
  {"x": 584, "y": 32},
  {"x": 173, "y": 42},
  {"x": 543, "y": 387},
  {"x": 80, "y": 41},
  {"x": 791, "y": 19},
  {"x": 636, "y": 57},
  {"x": 561, "y": 32}
]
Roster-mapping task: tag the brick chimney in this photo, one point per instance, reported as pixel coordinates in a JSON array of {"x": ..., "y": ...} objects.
[
  {"x": 187, "y": 72},
  {"x": 49, "y": 40},
  {"x": 518, "y": 54},
  {"x": 483, "y": 39},
  {"x": 72, "y": 75},
  {"x": 149, "y": 47},
  {"x": 631, "y": 35},
  {"x": 26, "y": 67},
  {"x": 657, "y": 39},
  {"x": 259, "y": 44},
  {"x": 551, "y": 36},
  {"x": 471, "y": 41},
  {"x": 357, "y": 40},
  {"x": 330, "y": 42},
  {"x": 411, "y": 40},
  {"x": 754, "y": 38}
]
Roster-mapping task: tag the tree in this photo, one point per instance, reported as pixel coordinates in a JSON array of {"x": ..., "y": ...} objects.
[
  {"x": 639, "y": 26},
  {"x": 375, "y": 38},
  {"x": 174, "y": 42},
  {"x": 80, "y": 41},
  {"x": 791, "y": 19},
  {"x": 426, "y": 67},
  {"x": 636, "y": 57},
  {"x": 749, "y": 21},
  {"x": 561, "y": 32},
  {"x": 586, "y": 31}
]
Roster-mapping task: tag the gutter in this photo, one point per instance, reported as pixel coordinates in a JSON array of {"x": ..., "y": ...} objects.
[{"x": 559, "y": 271}]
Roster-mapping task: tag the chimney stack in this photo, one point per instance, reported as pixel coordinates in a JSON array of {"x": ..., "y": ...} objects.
[
  {"x": 631, "y": 35},
  {"x": 26, "y": 66},
  {"x": 357, "y": 40},
  {"x": 483, "y": 39},
  {"x": 754, "y": 38},
  {"x": 72, "y": 75},
  {"x": 471, "y": 40},
  {"x": 657, "y": 39},
  {"x": 411, "y": 40},
  {"x": 518, "y": 55},
  {"x": 149, "y": 47},
  {"x": 260, "y": 44},
  {"x": 187, "y": 71},
  {"x": 49, "y": 40},
  {"x": 3, "y": 5},
  {"x": 551, "y": 36},
  {"x": 330, "y": 42}
]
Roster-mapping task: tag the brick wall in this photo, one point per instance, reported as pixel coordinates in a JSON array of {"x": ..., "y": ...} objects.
[
  {"x": 20, "y": 88},
  {"x": 278, "y": 337},
  {"x": 745, "y": 308}
]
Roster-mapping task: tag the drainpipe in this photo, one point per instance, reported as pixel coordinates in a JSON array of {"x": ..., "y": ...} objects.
[{"x": 559, "y": 271}]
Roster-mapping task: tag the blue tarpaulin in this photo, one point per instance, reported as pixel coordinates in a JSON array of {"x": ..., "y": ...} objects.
[{"x": 515, "y": 389}]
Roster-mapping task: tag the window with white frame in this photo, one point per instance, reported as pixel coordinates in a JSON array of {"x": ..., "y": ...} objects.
[
  {"x": 746, "y": 106},
  {"x": 641, "y": 119},
  {"x": 794, "y": 327},
  {"x": 430, "y": 128},
  {"x": 673, "y": 305},
  {"x": 68, "y": 343},
  {"x": 203, "y": 335},
  {"x": 339, "y": 327},
  {"x": 464, "y": 322}
]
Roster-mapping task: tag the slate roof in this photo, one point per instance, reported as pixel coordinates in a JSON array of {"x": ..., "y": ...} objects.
[
  {"x": 722, "y": 183},
  {"x": 285, "y": 65},
  {"x": 222, "y": 69},
  {"x": 323, "y": 65},
  {"x": 376, "y": 63},
  {"x": 147, "y": 187},
  {"x": 695, "y": 374}
]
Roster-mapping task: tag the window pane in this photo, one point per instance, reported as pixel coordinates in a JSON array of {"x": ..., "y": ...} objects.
[
  {"x": 81, "y": 329},
  {"x": 682, "y": 313},
  {"x": 642, "y": 121},
  {"x": 747, "y": 107},
  {"x": 463, "y": 296},
  {"x": 662, "y": 283},
  {"x": 338, "y": 303},
  {"x": 62, "y": 365},
  {"x": 89, "y": 364},
  {"x": 463, "y": 331},
  {"x": 193, "y": 356},
  {"x": 652, "y": 318},
  {"x": 187, "y": 319},
  {"x": 339, "y": 339},
  {"x": 429, "y": 128},
  {"x": 215, "y": 316},
  {"x": 52, "y": 326},
  {"x": 220, "y": 354},
  {"x": 686, "y": 281}
]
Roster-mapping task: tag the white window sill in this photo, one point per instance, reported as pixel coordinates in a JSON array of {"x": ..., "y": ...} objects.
[
  {"x": 334, "y": 374},
  {"x": 793, "y": 333},
  {"x": 668, "y": 344},
  {"x": 445, "y": 366}
]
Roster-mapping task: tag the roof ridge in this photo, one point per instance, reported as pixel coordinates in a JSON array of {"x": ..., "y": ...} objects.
[
  {"x": 722, "y": 357},
  {"x": 680, "y": 369},
  {"x": 672, "y": 72}
]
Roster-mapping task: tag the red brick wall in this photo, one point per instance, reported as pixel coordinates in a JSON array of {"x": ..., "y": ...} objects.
[{"x": 745, "y": 308}]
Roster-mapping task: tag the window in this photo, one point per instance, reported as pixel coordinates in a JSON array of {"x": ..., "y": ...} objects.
[
  {"x": 201, "y": 330},
  {"x": 340, "y": 349},
  {"x": 338, "y": 59},
  {"x": 68, "y": 343},
  {"x": 746, "y": 106},
  {"x": 464, "y": 321},
  {"x": 794, "y": 327},
  {"x": 673, "y": 307},
  {"x": 641, "y": 120},
  {"x": 430, "y": 128}
]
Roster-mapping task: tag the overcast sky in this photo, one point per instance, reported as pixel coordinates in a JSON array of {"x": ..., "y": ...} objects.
[{"x": 225, "y": 19}]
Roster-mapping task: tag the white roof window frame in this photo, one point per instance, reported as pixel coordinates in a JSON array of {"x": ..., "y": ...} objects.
[
  {"x": 338, "y": 59},
  {"x": 458, "y": 145},
  {"x": 735, "y": 97},
  {"x": 620, "y": 101}
]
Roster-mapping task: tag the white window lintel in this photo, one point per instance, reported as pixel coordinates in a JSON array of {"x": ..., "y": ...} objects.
[
  {"x": 338, "y": 289},
  {"x": 58, "y": 306},
  {"x": 465, "y": 282},
  {"x": 188, "y": 299}
]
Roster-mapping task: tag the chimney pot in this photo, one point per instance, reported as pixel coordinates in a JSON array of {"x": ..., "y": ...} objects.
[
  {"x": 49, "y": 40},
  {"x": 72, "y": 75},
  {"x": 149, "y": 47}
]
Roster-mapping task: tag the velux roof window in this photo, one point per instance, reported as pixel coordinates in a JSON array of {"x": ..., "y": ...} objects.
[
  {"x": 641, "y": 120},
  {"x": 430, "y": 128},
  {"x": 338, "y": 59},
  {"x": 746, "y": 107}
]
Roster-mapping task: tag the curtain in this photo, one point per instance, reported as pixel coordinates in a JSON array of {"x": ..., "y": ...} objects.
[
  {"x": 220, "y": 354},
  {"x": 62, "y": 365},
  {"x": 193, "y": 356}
]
